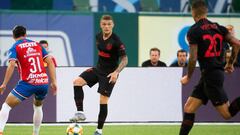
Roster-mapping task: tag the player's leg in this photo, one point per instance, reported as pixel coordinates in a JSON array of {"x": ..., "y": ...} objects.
[
  {"x": 78, "y": 92},
  {"x": 102, "y": 114},
  {"x": 87, "y": 77},
  {"x": 228, "y": 111},
  {"x": 190, "y": 108},
  {"x": 197, "y": 98},
  {"x": 37, "y": 116},
  {"x": 15, "y": 97},
  {"x": 105, "y": 90},
  {"x": 10, "y": 102},
  {"x": 40, "y": 92}
]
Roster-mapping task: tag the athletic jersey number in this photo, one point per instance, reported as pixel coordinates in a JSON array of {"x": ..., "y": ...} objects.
[
  {"x": 35, "y": 62},
  {"x": 212, "y": 49}
]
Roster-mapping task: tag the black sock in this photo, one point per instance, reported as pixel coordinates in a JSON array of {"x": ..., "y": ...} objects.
[
  {"x": 102, "y": 115},
  {"x": 187, "y": 123},
  {"x": 78, "y": 97},
  {"x": 234, "y": 107}
]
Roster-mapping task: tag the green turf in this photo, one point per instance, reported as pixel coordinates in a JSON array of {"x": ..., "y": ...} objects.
[{"x": 130, "y": 130}]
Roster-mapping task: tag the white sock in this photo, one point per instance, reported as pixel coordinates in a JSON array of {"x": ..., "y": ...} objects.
[
  {"x": 99, "y": 130},
  {"x": 37, "y": 119},
  {"x": 4, "y": 113}
]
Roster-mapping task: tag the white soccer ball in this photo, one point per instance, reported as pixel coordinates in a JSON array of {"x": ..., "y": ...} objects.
[{"x": 74, "y": 129}]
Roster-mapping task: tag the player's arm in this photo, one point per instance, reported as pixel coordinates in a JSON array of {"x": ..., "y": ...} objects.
[
  {"x": 235, "y": 43},
  {"x": 123, "y": 63},
  {"x": 8, "y": 75},
  {"x": 191, "y": 63},
  {"x": 52, "y": 74},
  {"x": 192, "y": 60},
  {"x": 114, "y": 75}
]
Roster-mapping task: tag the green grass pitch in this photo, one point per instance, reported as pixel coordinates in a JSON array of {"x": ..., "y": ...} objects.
[{"x": 130, "y": 130}]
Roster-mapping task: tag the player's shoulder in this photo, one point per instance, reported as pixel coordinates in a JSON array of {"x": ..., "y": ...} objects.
[
  {"x": 193, "y": 28},
  {"x": 115, "y": 36}
]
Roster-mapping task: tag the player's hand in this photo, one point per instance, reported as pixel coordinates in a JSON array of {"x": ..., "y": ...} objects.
[
  {"x": 229, "y": 68},
  {"x": 2, "y": 88},
  {"x": 185, "y": 80},
  {"x": 53, "y": 87},
  {"x": 113, "y": 77}
]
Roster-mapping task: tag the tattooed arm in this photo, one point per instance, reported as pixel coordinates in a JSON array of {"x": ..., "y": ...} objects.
[
  {"x": 114, "y": 75},
  {"x": 191, "y": 64},
  {"x": 235, "y": 43},
  {"x": 123, "y": 63}
]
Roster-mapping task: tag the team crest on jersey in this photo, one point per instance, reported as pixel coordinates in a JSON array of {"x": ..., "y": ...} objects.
[{"x": 109, "y": 46}]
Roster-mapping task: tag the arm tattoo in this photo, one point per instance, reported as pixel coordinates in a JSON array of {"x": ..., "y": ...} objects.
[
  {"x": 123, "y": 63},
  {"x": 192, "y": 60},
  {"x": 235, "y": 43}
]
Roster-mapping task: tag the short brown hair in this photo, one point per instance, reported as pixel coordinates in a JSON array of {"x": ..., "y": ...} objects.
[
  {"x": 199, "y": 7},
  {"x": 106, "y": 17},
  {"x": 154, "y": 49},
  {"x": 181, "y": 51}
]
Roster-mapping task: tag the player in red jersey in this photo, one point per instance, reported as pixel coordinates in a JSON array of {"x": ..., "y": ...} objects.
[{"x": 29, "y": 57}]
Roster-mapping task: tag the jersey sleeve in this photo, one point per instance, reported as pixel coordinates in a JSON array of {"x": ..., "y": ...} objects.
[
  {"x": 12, "y": 54},
  {"x": 121, "y": 48},
  {"x": 191, "y": 37},
  {"x": 223, "y": 30},
  {"x": 44, "y": 52}
]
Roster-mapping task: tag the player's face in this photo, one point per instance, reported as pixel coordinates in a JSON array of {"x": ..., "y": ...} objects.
[
  {"x": 45, "y": 46},
  {"x": 182, "y": 57},
  {"x": 106, "y": 26},
  {"x": 154, "y": 56}
]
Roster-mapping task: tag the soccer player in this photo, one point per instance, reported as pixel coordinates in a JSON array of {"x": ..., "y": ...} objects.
[
  {"x": 29, "y": 57},
  {"x": 205, "y": 40},
  {"x": 110, "y": 50},
  {"x": 45, "y": 44}
]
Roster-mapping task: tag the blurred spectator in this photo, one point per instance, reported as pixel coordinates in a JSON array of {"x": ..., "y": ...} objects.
[
  {"x": 154, "y": 59},
  {"x": 181, "y": 59},
  {"x": 44, "y": 44}
]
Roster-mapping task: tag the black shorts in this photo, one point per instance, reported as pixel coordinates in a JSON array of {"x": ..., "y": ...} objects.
[
  {"x": 210, "y": 87},
  {"x": 93, "y": 76}
]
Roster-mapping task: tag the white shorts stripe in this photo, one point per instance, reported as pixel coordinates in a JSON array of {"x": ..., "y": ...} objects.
[{"x": 19, "y": 94}]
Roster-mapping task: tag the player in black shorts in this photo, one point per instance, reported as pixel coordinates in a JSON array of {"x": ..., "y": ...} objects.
[
  {"x": 110, "y": 50},
  {"x": 205, "y": 40}
]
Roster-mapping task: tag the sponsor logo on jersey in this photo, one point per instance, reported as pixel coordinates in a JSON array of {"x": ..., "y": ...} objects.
[{"x": 27, "y": 44}]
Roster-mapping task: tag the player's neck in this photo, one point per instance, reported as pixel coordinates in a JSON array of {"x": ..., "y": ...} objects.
[
  {"x": 106, "y": 35},
  {"x": 20, "y": 38},
  {"x": 199, "y": 18}
]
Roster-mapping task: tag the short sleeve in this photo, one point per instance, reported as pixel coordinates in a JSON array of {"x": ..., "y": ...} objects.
[
  {"x": 121, "y": 48},
  {"x": 12, "y": 54},
  {"x": 191, "y": 37},
  {"x": 223, "y": 30}
]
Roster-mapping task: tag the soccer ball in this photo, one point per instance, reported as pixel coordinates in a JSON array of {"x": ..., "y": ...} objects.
[{"x": 74, "y": 129}]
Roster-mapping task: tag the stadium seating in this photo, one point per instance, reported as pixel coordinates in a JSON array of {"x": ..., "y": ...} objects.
[
  {"x": 149, "y": 5},
  {"x": 81, "y": 5}
]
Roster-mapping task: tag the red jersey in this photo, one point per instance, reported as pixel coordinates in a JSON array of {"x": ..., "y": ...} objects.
[{"x": 29, "y": 56}]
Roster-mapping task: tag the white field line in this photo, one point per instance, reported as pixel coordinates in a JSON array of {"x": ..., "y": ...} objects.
[{"x": 120, "y": 124}]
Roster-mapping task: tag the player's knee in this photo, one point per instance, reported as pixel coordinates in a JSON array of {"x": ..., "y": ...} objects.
[
  {"x": 78, "y": 82},
  {"x": 188, "y": 108},
  {"x": 104, "y": 99}
]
